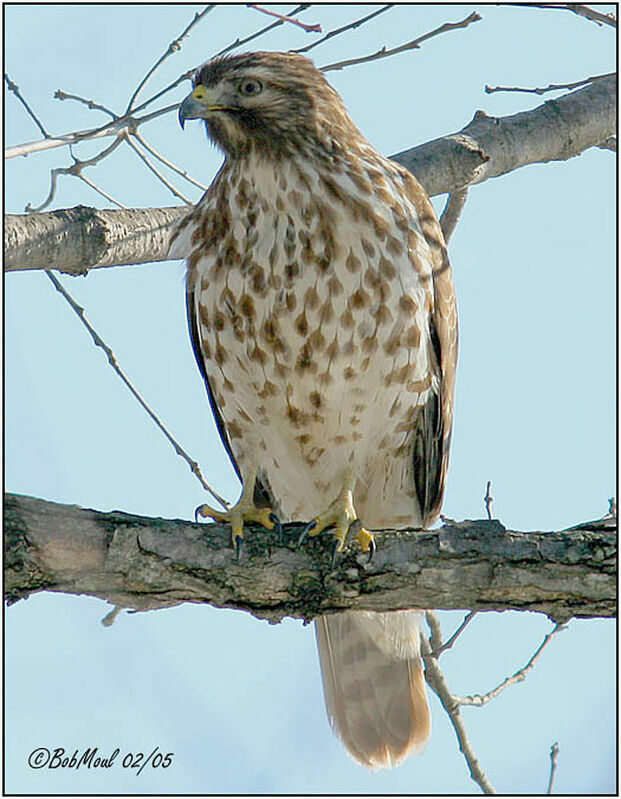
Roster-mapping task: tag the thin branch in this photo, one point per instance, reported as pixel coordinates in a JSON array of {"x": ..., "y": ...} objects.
[
  {"x": 181, "y": 172},
  {"x": 99, "y": 342},
  {"x": 59, "y": 94},
  {"x": 436, "y": 680},
  {"x": 553, "y": 763},
  {"x": 438, "y": 650},
  {"x": 478, "y": 700},
  {"x": 592, "y": 14},
  {"x": 239, "y": 42},
  {"x": 185, "y": 76},
  {"x": 488, "y": 499},
  {"x": 283, "y": 18},
  {"x": 13, "y": 87},
  {"x": 173, "y": 47},
  {"x": 412, "y": 45},
  {"x": 54, "y": 173},
  {"x": 115, "y": 128},
  {"x": 75, "y": 169},
  {"x": 452, "y": 212},
  {"x": 337, "y": 31},
  {"x": 157, "y": 173},
  {"x": 580, "y": 10},
  {"x": 553, "y": 87},
  {"x": 100, "y": 191}
]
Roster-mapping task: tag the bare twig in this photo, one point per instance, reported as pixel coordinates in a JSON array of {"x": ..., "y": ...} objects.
[
  {"x": 157, "y": 173},
  {"x": 173, "y": 47},
  {"x": 479, "y": 700},
  {"x": 99, "y": 342},
  {"x": 13, "y": 87},
  {"x": 109, "y": 129},
  {"x": 437, "y": 651},
  {"x": 59, "y": 94},
  {"x": 337, "y": 31},
  {"x": 580, "y": 10},
  {"x": 185, "y": 76},
  {"x": 436, "y": 680},
  {"x": 553, "y": 87},
  {"x": 239, "y": 42},
  {"x": 168, "y": 163},
  {"x": 99, "y": 190},
  {"x": 436, "y": 638},
  {"x": 412, "y": 45},
  {"x": 75, "y": 169},
  {"x": 553, "y": 763},
  {"x": 283, "y": 18},
  {"x": 488, "y": 499},
  {"x": 452, "y": 212}
]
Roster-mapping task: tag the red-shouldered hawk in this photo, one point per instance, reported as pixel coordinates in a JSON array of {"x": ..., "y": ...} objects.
[{"x": 323, "y": 318}]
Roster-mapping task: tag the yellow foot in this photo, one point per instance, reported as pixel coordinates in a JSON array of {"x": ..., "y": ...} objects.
[
  {"x": 342, "y": 516},
  {"x": 236, "y": 516}
]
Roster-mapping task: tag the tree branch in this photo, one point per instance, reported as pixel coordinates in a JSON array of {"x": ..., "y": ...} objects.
[
  {"x": 74, "y": 240},
  {"x": 487, "y": 147},
  {"x": 437, "y": 681},
  {"x": 492, "y": 146},
  {"x": 142, "y": 563}
]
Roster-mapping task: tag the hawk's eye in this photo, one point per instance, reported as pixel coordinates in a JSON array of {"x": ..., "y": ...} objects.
[{"x": 249, "y": 87}]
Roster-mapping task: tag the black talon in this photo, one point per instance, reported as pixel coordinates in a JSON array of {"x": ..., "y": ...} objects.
[
  {"x": 335, "y": 551},
  {"x": 196, "y": 514},
  {"x": 239, "y": 546},
  {"x": 277, "y": 527},
  {"x": 304, "y": 534},
  {"x": 372, "y": 549}
]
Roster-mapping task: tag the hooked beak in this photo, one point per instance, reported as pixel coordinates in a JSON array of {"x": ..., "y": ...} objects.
[
  {"x": 200, "y": 104},
  {"x": 190, "y": 108}
]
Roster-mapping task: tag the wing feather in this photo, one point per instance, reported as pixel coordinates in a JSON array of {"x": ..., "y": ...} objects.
[
  {"x": 433, "y": 425},
  {"x": 192, "y": 313}
]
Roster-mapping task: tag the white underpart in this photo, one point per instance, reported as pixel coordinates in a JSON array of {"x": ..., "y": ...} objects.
[{"x": 384, "y": 489}]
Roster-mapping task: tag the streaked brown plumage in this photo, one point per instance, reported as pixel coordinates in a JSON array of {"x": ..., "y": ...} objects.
[{"x": 322, "y": 314}]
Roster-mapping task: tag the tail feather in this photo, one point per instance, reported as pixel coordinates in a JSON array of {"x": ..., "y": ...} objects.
[{"x": 373, "y": 683}]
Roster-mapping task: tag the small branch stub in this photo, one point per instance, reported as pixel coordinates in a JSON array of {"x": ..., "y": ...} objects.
[{"x": 488, "y": 499}]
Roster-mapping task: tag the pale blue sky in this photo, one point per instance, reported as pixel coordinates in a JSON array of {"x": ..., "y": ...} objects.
[{"x": 239, "y": 702}]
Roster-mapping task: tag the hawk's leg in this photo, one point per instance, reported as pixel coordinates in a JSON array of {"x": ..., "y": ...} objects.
[
  {"x": 244, "y": 511},
  {"x": 342, "y": 515}
]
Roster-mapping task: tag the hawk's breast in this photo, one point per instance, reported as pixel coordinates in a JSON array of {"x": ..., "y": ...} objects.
[{"x": 313, "y": 292}]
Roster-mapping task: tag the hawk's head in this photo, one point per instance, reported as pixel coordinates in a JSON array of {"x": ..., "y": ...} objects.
[{"x": 274, "y": 103}]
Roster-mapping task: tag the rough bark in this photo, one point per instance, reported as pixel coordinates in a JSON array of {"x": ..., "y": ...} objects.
[
  {"x": 75, "y": 240},
  {"x": 142, "y": 563},
  {"x": 487, "y": 147}
]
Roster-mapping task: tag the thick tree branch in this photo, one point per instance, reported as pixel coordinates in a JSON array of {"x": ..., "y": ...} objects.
[
  {"x": 492, "y": 146},
  {"x": 142, "y": 563},
  {"x": 76, "y": 240}
]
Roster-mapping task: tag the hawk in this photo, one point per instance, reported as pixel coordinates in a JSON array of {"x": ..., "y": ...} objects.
[{"x": 322, "y": 314}]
